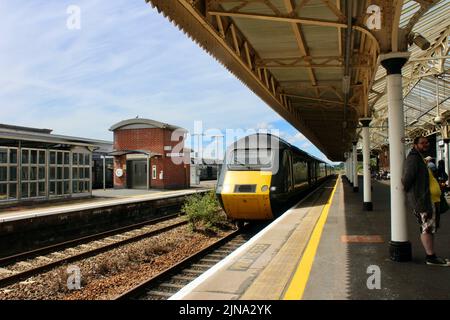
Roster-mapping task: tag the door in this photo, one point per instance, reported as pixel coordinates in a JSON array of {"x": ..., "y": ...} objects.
[{"x": 137, "y": 174}]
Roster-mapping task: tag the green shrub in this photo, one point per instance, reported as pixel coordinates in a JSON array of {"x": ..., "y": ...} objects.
[{"x": 203, "y": 211}]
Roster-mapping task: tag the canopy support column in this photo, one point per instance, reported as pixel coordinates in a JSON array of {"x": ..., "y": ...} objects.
[
  {"x": 367, "y": 204},
  {"x": 355, "y": 168},
  {"x": 399, "y": 246}
]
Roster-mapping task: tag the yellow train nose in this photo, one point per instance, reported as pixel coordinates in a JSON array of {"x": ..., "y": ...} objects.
[{"x": 245, "y": 195}]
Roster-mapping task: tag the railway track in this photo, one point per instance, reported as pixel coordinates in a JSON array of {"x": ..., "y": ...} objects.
[
  {"x": 168, "y": 282},
  {"x": 21, "y": 266}
]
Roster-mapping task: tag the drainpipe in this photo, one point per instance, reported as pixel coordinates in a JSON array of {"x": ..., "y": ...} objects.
[{"x": 148, "y": 171}]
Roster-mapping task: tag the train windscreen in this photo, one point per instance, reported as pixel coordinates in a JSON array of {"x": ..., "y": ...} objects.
[{"x": 250, "y": 159}]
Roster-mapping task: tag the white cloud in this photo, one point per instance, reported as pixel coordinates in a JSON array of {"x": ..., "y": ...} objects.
[
  {"x": 126, "y": 60},
  {"x": 264, "y": 125}
]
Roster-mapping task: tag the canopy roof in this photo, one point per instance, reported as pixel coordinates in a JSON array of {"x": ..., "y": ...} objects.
[
  {"x": 315, "y": 62},
  {"x": 426, "y": 77}
]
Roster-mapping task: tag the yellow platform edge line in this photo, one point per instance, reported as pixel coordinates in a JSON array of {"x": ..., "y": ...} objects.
[{"x": 300, "y": 279}]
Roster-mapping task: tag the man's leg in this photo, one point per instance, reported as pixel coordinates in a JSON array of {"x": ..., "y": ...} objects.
[
  {"x": 428, "y": 243},
  {"x": 428, "y": 228}
]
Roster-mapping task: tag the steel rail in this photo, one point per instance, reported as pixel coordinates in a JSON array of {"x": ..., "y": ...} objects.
[
  {"x": 142, "y": 288},
  {"x": 85, "y": 254},
  {"x": 4, "y": 261}
]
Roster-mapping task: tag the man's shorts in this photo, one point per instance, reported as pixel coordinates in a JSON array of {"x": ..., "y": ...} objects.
[{"x": 427, "y": 224}]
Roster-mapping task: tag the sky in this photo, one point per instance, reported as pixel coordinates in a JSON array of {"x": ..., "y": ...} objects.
[{"x": 121, "y": 59}]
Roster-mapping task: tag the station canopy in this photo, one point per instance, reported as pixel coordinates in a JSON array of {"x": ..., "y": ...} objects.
[{"x": 316, "y": 62}]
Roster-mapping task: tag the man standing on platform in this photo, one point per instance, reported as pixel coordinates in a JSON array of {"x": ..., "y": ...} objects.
[{"x": 423, "y": 196}]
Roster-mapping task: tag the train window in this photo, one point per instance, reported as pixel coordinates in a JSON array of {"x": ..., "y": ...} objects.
[
  {"x": 300, "y": 169},
  {"x": 251, "y": 158},
  {"x": 287, "y": 160}
]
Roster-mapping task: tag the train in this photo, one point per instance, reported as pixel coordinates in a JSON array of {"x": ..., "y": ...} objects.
[{"x": 262, "y": 175}]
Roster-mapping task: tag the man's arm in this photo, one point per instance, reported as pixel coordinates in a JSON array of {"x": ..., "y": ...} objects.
[{"x": 409, "y": 172}]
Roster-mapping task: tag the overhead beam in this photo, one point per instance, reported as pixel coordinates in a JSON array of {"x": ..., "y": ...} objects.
[
  {"x": 305, "y": 21},
  {"x": 264, "y": 17},
  {"x": 335, "y": 10},
  {"x": 300, "y": 40},
  {"x": 317, "y": 99},
  {"x": 312, "y": 65},
  {"x": 424, "y": 7}
]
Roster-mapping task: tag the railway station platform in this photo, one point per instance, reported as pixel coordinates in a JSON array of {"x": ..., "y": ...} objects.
[
  {"x": 327, "y": 247},
  {"x": 25, "y": 228},
  {"x": 100, "y": 198}
]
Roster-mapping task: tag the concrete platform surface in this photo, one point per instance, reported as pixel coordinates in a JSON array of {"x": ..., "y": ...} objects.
[
  {"x": 262, "y": 267},
  {"x": 323, "y": 251},
  {"x": 347, "y": 267}
]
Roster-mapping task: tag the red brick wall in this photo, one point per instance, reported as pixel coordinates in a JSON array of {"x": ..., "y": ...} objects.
[
  {"x": 120, "y": 162},
  {"x": 154, "y": 140},
  {"x": 139, "y": 139}
]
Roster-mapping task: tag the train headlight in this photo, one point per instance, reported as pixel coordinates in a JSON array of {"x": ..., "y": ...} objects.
[
  {"x": 264, "y": 188},
  {"x": 273, "y": 188}
]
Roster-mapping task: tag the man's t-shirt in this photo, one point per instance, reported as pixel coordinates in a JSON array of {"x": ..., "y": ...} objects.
[{"x": 435, "y": 190}]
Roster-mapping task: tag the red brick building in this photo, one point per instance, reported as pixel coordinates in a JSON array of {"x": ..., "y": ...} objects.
[{"x": 140, "y": 144}]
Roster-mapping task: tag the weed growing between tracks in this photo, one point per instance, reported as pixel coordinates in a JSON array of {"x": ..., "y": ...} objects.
[{"x": 204, "y": 213}]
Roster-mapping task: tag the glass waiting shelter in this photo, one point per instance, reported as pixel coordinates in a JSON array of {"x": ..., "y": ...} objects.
[{"x": 38, "y": 165}]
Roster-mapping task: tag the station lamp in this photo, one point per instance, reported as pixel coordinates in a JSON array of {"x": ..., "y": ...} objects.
[
  {"x": 418, "y": 40},
  {"x": 437, "y": 120}
]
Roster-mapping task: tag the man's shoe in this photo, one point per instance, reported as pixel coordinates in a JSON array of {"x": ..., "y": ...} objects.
[{"x": 435, "y": 261}]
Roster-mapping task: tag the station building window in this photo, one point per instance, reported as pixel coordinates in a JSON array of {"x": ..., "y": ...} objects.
[
  {"x": 8, "y": 173},
  {"x": 28, "y": 173},
  {"x": 33, "y": 168},
  {"x": 81, "y": 172},
  {"x": 59, "y": 176},
  {"x": 37, "y": 165}
]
